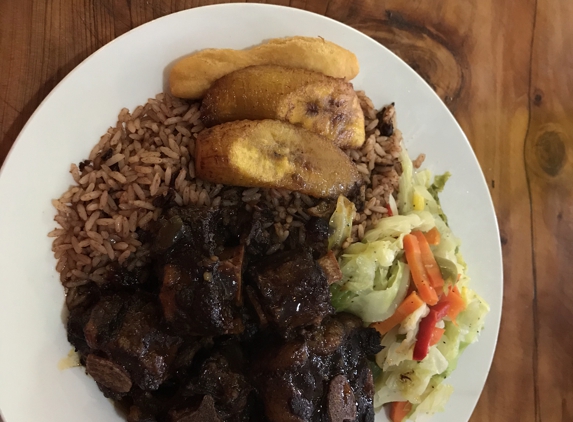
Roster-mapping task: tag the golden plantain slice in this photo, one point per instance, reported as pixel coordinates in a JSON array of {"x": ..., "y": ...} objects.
[
  {"x": 273, "y": 154},
  {"x": 193, "y": 75},
  {"x": 322, "y": 104}
]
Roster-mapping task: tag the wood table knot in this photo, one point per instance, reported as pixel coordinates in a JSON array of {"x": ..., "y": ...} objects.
[
  {"x": 550, "y": 152},
  {"x": 537, "y": 97},
  {"x": 425, "y": 51}
]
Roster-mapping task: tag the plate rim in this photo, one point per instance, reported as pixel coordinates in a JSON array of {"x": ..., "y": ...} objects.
[{"x": 146, "y": 27}]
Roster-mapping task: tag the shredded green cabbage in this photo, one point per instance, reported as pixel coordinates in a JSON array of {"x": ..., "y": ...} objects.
[
  {"x": 341, "y": 222},
  {"x": 472, "y": 319},
  {"x": 403, "y": 378},
  {"x": 380, "y": 301},
  {"x": 409, "y": 379},
  {"x": 375, "y": 281},
  {"x": 398, "y": 226},
  {"x": 435, "y": 401}
]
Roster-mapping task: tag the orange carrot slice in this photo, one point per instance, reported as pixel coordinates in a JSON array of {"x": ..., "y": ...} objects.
[
  {"x": 457, "y": 304},
  {"x": 399, "y": 410},
  {"x": 409, "y": 305},
  {"x": 418, "y": 270},
  {"x": 437, "y": 334},
  {"x": 433, "y": 236},
  {"x": 430, "y": 264}
]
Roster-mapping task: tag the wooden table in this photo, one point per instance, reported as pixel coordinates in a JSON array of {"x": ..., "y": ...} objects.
[{"x": 504, "y": 68}]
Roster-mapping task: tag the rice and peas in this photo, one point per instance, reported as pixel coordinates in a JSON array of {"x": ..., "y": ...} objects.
[{"x": 147, "y": 159}]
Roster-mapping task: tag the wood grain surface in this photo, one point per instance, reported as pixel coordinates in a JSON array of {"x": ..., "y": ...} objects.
[{"x": 504, "y": 68}]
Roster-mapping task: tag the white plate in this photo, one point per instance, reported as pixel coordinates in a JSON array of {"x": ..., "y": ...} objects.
[{"x": 125, "y": 73}]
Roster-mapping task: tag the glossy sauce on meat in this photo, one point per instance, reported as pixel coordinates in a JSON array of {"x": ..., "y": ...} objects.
[{"x": 212, "y": 329}]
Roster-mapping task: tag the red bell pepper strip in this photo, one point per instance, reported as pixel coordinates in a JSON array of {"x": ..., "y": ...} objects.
[
  {"x": 390, "y": 213},
  {"x": 426, "y": 329}
]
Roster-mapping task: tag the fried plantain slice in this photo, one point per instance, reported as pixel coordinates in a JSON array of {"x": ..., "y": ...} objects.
[
  {"x": 273, "y": 154},
  {"x": 322, "y": 104},
  {"x": 191, "y": 76}
]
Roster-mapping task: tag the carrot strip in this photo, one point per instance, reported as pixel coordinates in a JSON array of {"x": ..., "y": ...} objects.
[
  {"x": 433, "y": 236},
  {"x": 432, "y": 267},
  {"x": 437, "y": 334},
  {"x": 457, "y": 304},
  {"x": 418, "y": 270},
  {"x": 409, "y": 305},
  {"x": 399, "y": 410},
  {"x": 411, "y": 287}
]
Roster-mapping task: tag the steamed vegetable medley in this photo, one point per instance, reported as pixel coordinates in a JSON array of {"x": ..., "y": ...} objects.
[{"x": 408, "y": 280}]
